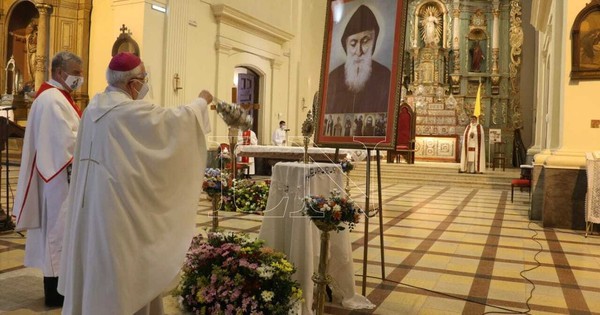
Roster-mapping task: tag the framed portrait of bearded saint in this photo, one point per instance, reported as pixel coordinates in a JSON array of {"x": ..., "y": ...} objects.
[
  {"x": 585, "y": 37},
  {"x": 361, "y": 73}
]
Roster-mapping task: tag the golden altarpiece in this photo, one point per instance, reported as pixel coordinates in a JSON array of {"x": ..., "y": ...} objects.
[
  {"x": 32, "y": 32},
  {"x": 451, "y": 47}
]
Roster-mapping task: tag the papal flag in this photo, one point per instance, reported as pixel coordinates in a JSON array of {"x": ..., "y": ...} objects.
[{"x": 477, "y": 110}]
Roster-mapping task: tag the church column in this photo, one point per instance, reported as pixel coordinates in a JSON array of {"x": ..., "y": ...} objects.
[
  {"x": 41, "y": 58},
  {"x": 456, "y": 47},
  {"x": 495, "y": 47},
  {"x": 176, "y": 39}
]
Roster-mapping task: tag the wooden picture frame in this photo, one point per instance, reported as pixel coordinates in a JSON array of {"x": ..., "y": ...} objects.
[
  {"x": 585, "y": 40},
  {"x": 361, "y": 111}
]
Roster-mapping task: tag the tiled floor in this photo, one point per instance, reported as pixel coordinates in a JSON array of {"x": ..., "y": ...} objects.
[{"x": 447, "y": 250}]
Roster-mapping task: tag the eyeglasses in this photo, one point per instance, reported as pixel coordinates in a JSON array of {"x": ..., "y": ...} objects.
[{"x": 143, "y": 79}]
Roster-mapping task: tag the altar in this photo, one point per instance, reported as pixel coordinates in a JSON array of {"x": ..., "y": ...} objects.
[
  {"x": 286, "y": 229},
  {"x": 286, "y": 153}
]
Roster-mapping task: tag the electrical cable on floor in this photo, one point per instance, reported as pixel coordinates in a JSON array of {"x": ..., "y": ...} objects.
[{"x": 505, "y": 310}]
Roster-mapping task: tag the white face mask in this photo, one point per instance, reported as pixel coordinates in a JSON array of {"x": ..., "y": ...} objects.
[
  {"x": 143, "y": 91},
  {"x": 74, "y": 82}
]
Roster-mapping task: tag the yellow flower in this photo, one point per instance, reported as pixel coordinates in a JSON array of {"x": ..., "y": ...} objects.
[
  {"x": 199, "y": 297},
  {"x": 283, "y": 265}
]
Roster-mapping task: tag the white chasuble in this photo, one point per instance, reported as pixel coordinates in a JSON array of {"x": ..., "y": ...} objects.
[{"x": 137, "y": 178}]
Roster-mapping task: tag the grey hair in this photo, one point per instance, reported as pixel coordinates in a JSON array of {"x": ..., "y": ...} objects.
[
  {"x": 119, "y": 78},
  {"x": 61, "y": 59}
]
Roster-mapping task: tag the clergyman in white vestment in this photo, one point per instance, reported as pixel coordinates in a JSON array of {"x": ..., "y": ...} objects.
[
  {"x": 43, "y": 184},
  {"x": 472, "y": 153},
  {"x": 137, "y": 177}
]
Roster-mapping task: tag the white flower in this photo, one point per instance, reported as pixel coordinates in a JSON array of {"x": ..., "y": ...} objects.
[
  {"x": 267, "y": 296},
  {"x": 326, "y": 207},
  {"x": 337, "y": 208},
  {"x": 265, "y": 272}
]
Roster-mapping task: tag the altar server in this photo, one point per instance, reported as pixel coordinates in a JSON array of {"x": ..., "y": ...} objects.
[
  {"x": 44, "y": 175},
  {"x": 137, "y": 178}
]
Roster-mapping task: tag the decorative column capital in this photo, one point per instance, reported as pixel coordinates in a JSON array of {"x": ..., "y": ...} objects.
[
  {"x": 496, "y": 13},
  {"x": 223, "y": 48},
  {"x": 456, "y": 13},
  {"x": 43, "y": 8},
  {"x": 276, "y": 63}
]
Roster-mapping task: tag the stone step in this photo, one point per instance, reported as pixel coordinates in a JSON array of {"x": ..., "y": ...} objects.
[{"x": 431, "y": 173}]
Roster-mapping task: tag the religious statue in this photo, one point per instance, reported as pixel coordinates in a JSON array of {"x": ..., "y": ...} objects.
[
  {"x": 430, "y": 24},
  {"x": 30, "y": 38},
  {"x": 477, "y": 57}
]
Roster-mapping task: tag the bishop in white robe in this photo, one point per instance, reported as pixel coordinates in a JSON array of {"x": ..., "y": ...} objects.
[
  {"x": 137, "y": 177},
  {"x": 43, "y": 184}
]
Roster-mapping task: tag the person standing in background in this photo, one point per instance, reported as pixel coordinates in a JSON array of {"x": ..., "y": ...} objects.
[
  {"x": 44, "y": 177},
  {"x": 248, "y": 137},
  {"x": 472, "y": 156}
]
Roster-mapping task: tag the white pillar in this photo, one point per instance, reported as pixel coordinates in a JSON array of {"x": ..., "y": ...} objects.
[{"x": 175, "y": 55}]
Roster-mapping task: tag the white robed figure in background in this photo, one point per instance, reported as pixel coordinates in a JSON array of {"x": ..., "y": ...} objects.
[
  {"x": 43, "y": 184},
  {"x": 472, "y": 153},
  {"x": 137, "y": 178},
  {"x": 279, "y": 135}
]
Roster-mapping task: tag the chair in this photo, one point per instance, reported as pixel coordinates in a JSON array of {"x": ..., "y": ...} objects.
[
  {"x": 523, "y": 182},
  {"x": 241, "y": 168},
  {"x": 405, "y": 139},
  {"x": 499, "y": 156}
]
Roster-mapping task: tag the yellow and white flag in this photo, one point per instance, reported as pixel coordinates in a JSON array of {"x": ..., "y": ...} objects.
[{"x": 477, "y": 110}]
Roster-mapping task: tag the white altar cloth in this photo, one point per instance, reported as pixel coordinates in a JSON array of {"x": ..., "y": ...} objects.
[
  {"x": 286, "y": 229},
  {"x": 296, "y": 153},
  {"x": 592, "y": 198}
]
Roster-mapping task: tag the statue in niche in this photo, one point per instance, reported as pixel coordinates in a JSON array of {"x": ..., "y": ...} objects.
[
  {"x": 432, "y": 26},
  {"x": 30, "y": 38},
  {"x": 477, "y": 57}
]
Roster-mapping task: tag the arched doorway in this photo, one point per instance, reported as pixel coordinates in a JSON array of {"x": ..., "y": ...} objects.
[{"x": 21, "y": 44}]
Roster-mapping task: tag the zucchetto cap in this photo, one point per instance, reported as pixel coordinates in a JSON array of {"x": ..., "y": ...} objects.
[
  {"x": 362, "y": 20},
  {"x": 124, "y": 61}
]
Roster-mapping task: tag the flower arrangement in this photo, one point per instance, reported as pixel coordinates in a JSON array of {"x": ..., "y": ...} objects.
[
  {"x": 328, "y": 213},
  {"x": 231, "y": 274},
  {"x": 234, "y": 115},
  {"x": 215, "y": 182},
  {"x": 247, "y": 196}
]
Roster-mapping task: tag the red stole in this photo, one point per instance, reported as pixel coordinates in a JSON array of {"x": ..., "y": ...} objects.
[
  {"x": 45, "y": 86},
  {"x": 246, "y": 141}
]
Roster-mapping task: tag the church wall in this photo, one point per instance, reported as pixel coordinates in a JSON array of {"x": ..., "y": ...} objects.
[
  {"x": 570, "y": 107},
  {"x": 276, "y": 12},
  {"x": 311, "y": 29},
  {"x": 579, "y": 107},
  {"x": 103, "y": 33},
  {"x": 528, "y": 64},
  {"x": 147, "y": 28}
]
